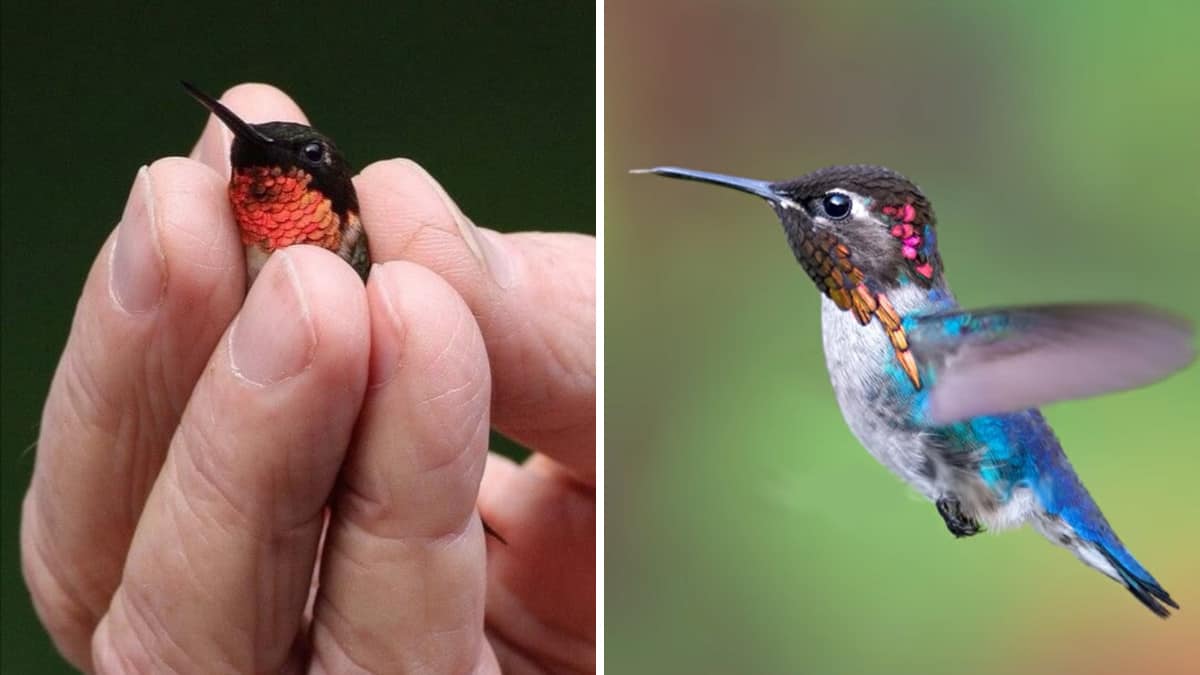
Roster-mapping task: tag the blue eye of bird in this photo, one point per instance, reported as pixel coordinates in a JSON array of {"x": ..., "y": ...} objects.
[
  {"x": 313, "y": 152},
  {"x": 836, "y": 205}
]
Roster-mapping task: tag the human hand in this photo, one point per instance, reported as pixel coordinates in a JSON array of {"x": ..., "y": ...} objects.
[{"x": 189, "y": 448}]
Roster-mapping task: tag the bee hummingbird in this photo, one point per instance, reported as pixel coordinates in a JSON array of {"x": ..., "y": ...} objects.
[
  {"x": 946, "y": 398},
  {"x": 289, "y": 185}
]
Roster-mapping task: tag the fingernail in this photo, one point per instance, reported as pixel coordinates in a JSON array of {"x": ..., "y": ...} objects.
[
  {"x": 137, "y": 270},
  {"x": 387, "y": 330},
  {"x": 488, "y": 250},
  {"x": 273, "y": 338},
  {"x": 495, "y": 255}
]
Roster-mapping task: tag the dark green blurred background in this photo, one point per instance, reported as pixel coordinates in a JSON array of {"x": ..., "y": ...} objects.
[
  {"x": 748, "y": 532},
  {"x": 496, "y": 100}
]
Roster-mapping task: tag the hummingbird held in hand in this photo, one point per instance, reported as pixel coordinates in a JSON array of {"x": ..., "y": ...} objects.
[
  {"x": 290, "y": 185},
  {"x": 946, "y": 398}
]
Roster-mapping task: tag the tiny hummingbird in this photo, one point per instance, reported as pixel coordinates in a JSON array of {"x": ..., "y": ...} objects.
[
  {"x": 947, "y": 398},
  {"x": 289, "y": 185}
]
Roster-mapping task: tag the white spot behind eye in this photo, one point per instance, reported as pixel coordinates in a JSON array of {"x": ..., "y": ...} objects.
[{"x": 860, "y": 207}]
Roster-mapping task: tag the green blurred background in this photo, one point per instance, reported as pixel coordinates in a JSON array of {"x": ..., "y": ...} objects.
[
  {"x": 748, "y": 532},
  {"x": 495, "y": 100}
]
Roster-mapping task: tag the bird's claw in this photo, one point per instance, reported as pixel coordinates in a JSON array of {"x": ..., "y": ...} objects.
[{"x": 959, "y": 524}]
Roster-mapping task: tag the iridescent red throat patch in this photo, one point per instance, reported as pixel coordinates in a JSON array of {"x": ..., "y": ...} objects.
[{"x": 277, "y": 208}]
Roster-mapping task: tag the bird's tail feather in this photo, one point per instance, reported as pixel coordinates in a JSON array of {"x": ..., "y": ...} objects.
[
  {"x": 1070, "y": 517},
  {"x": 1135, "y": 578},
  {"x": 1097, "y": 546}
]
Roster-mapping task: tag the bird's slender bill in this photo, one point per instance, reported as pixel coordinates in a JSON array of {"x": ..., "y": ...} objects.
[
  {"x": 237, "y": 125},
  {"x": 760, "y": 188}
]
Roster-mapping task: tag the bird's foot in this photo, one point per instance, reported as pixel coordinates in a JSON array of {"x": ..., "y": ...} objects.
[{"x": 959, "y": 524}]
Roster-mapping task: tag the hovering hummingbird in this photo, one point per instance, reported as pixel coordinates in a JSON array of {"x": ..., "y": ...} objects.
[
  {"x": 290, "y": 185},
  {"x": 946, "y": 398}
]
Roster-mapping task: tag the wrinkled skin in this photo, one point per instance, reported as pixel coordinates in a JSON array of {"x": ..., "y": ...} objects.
[{"x": 202, "y": 463}]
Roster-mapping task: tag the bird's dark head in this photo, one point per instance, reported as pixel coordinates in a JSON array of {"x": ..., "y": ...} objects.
[
  {"x": 288, "y": 168},
  {"x": 848, "y": 223}
]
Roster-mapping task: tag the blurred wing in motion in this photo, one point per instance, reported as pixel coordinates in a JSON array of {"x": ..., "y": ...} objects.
[{"x": 1005, "y": 360}]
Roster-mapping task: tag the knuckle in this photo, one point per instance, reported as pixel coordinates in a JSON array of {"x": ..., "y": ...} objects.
[
  {"x": 453, "y": 412},
  {"x": 218, "y": 490},
  {"x": 108, "y": 657},
  {"x": 66, "y": 615},
  {"x": 134, "y": 639},
  {"x": 204, "y": 478},
  {"x": 84, "y": 397}
]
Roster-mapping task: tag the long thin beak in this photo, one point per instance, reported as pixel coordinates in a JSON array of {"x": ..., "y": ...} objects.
[
  {"x": 761, "y": 188},
  {"x": 237, "y": 125}
]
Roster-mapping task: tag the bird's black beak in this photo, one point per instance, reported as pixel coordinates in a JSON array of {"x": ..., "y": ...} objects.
[
  {"x": 237, "y": 125},
  {"x": 761, "y": 188}
]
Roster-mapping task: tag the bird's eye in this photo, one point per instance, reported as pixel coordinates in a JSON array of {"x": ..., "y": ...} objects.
[
  {"x": 836, "y": 205},
  {"x": 313, "y": 152}
]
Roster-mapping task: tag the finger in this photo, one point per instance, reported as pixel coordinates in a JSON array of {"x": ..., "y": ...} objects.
[
  {"x": 402, "y": 576},
  {"x": 254, "y": 103},
  {"x": 533, "y": 294},
  {"x": 220, "y": 565},
  {"x": 160, "y": 293},
  {"x": 541, "y": 600}
]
